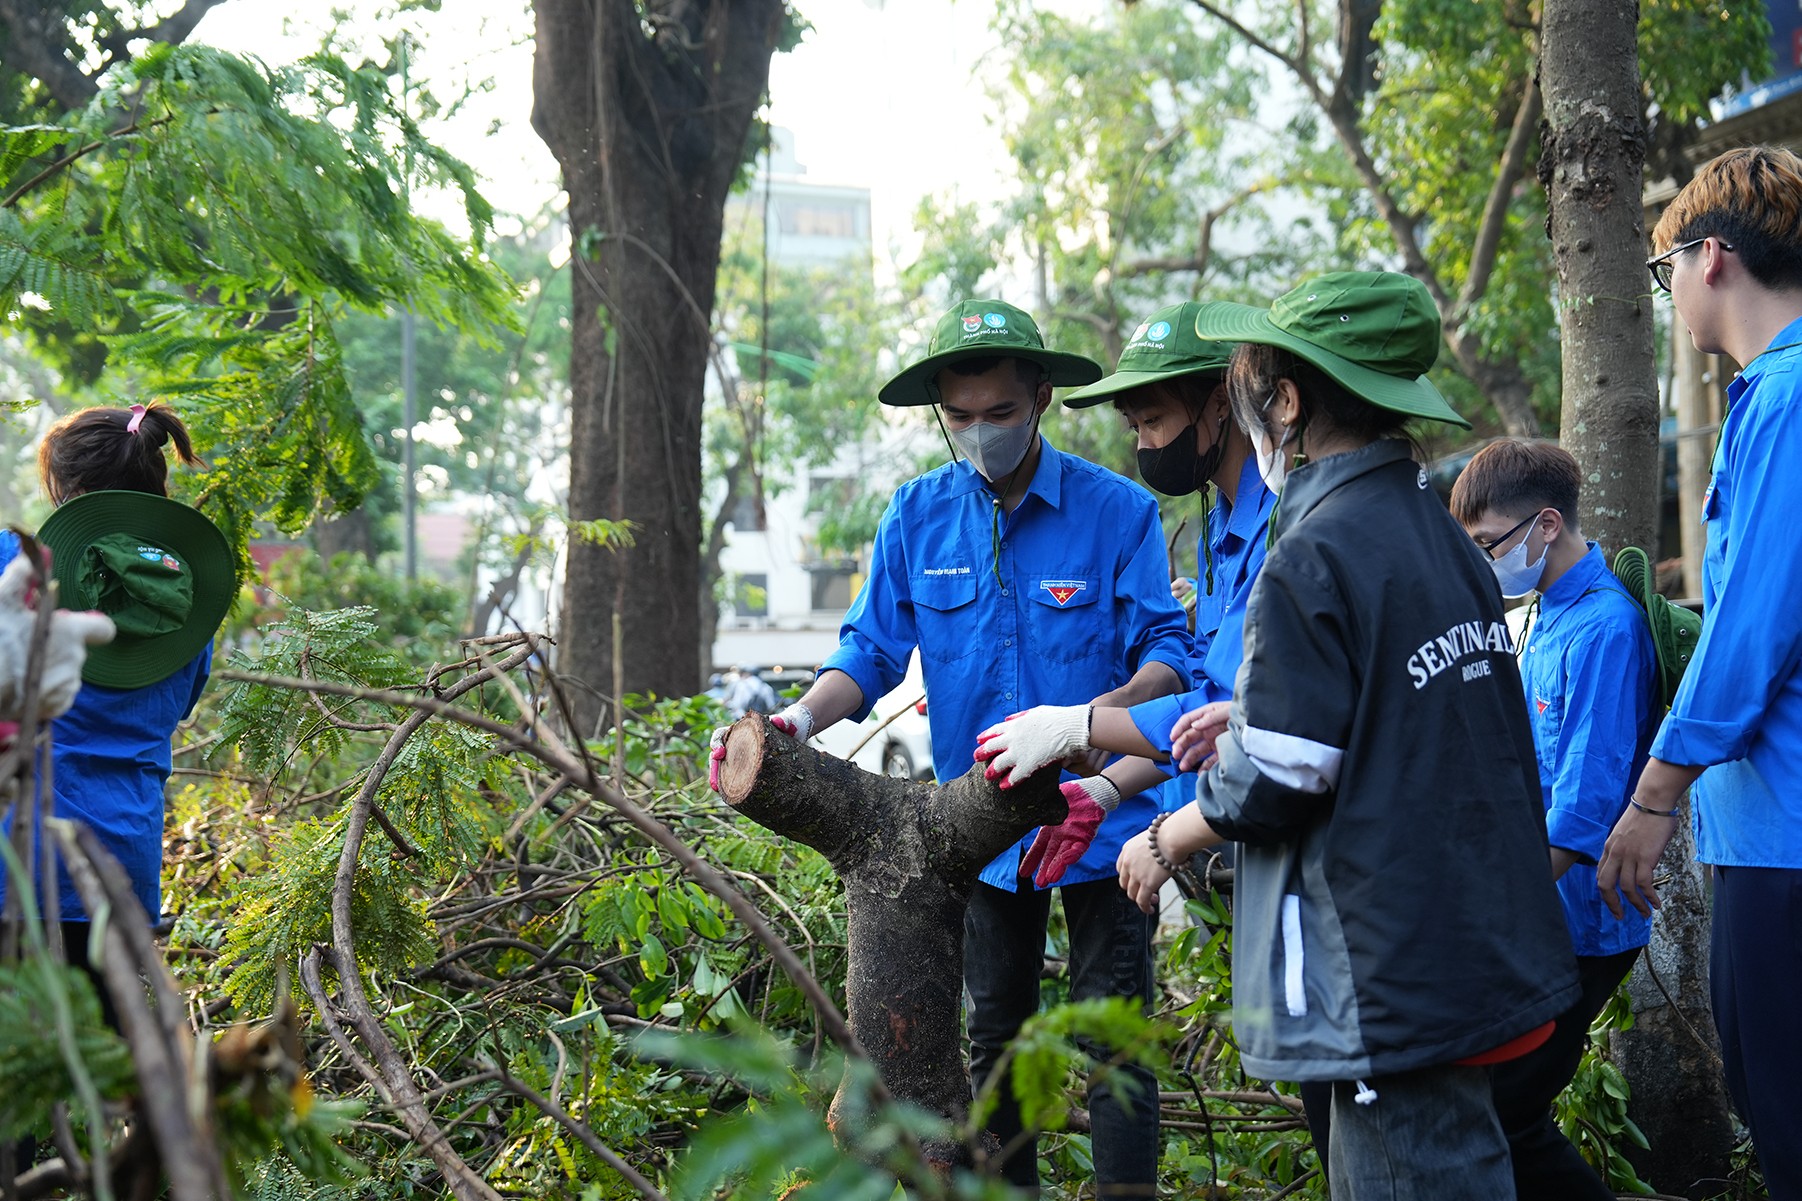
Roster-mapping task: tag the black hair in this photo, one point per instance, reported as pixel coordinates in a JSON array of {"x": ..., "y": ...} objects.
[
  {"x": 96, "y": 450},
  {"x": 1029, "y": 373},
  {"x": 1515, "y": 477},
  {"x": 1253, "y": 376}
]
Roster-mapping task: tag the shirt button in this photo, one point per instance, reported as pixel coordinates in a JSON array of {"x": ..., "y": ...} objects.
[
  {"x": 1007, "y": 642},
  {"x": 1010, "y": 696}
]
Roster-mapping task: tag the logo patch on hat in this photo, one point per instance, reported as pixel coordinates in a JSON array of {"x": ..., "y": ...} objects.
[
  {"x": 1158, "y": 332},
  {"x": 1062, "y": 590},
  {"x": 170, "y": 563},
  {"x": 151, "y": 554},
  {"x": 972, "y": 323},
  {"x": 995, "y": 320},
  {"x": 1139, "y": 334}
]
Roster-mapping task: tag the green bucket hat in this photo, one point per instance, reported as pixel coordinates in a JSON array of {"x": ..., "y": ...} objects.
[
  {"x": 978, "y": 329},
  {"x": 158, "y": 568},
  {"x": 1375, "y": 332},
  {"x": 1164, "y": 346},
  {"x": 1675, "y": 629}
]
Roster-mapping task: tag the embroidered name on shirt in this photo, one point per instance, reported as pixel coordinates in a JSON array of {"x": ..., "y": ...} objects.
[
  {"x": 1062, "y": 590},
  {"x": 947, "y": 571},
  {"x": 1464, "y": 639}
]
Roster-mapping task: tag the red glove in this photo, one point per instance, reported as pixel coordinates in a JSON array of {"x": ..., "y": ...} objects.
[{"x": 1057, "y": 847}]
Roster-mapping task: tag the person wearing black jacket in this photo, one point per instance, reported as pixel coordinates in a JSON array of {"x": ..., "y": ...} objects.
[{"x": 1396, "y": 925}]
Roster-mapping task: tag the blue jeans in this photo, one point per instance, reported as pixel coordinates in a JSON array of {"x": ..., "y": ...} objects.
[
  {"x": 1755, "y": 974},
  {"x": 1429, "y": 1135},
  {"x": 1110, "y": 956}
]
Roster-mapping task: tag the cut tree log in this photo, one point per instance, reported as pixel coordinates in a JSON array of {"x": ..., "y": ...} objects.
[{"x": 908, "y": 855}]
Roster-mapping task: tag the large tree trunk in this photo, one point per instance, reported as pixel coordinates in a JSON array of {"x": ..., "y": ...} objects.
[
  {"x": 908, "y": 855},
  {"x": 1591, "y": 165},
  {"x": 1671, "y": 1057},
  {"x": 647, "y": 113}
]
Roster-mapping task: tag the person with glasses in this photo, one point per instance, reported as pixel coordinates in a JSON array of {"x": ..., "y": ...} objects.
[
  {"x": 1586, "y": 666},
  {"x": 1731, "y": 260},
  {"x": 1024, "y": 576},
  {"x": 1395, "y": 927}
]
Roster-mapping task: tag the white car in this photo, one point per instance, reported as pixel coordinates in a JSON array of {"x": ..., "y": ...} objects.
[{"x": 900, "y": 747}]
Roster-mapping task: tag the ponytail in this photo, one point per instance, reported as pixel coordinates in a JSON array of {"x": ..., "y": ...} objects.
[{"x": 108, "y": 449}]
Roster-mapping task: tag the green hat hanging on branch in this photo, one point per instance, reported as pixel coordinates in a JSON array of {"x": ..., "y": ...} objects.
[
  {"x": 1375, "y": 332},
  {"x": 158, "y": 568},
  {"x": 984, "y": 329}
]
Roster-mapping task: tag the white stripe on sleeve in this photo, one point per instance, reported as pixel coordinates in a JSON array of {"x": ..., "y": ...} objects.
[{"x": 1294, "y": 762}]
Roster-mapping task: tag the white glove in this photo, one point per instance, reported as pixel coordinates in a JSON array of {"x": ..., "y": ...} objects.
[
  {"x": 1027, "y": 741},
  {"x": 70, "y": 636},
  {"x": 795, "y": 721}
]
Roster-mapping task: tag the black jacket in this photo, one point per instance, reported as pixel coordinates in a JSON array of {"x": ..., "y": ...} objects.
[{"x": 1395, "y": 907}]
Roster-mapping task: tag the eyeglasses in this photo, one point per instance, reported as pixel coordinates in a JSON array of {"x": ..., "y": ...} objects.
[
  {"x": 1662, "y": 267},
  {"x": 1488, "y": 548}
]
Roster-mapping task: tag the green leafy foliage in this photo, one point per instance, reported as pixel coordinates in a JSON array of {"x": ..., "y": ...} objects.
[
  {"x": 34, "y": 1068},
  {"x": 204, "y": 223}
]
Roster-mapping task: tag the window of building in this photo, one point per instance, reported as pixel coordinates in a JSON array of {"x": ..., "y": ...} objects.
[
  {"x": 747, "y": 517},
  {"x": 818, "y": 218},
  {"x": 832, "y": 588},
  {"x": 751, "y": 595}
]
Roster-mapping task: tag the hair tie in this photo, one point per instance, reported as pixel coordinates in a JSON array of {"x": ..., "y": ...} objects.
[{"x": 137, "y": 419}]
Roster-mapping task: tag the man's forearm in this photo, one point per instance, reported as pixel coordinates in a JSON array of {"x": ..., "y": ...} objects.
[
  {"x": 1150, "y": 681},
  {"x": 833, "y": 697},
  {"x": 1661, "y": 784}
]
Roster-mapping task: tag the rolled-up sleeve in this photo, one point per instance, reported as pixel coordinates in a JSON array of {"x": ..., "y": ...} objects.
[
  {"x": 1751, "y": 640},
  {"x": 1607, "y": 682},
  {"x": 878, "y": 635}
]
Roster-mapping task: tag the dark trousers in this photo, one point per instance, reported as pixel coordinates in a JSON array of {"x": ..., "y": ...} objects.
[
  {"x": 1546, "y": 1165},
  {"x": 1110, "y": 956},
  {"x": 1755, "y": 976}
]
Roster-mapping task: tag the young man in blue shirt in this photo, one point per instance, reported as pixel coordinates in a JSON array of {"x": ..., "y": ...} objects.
[
  {"x": 1730, "y": 255},
  {"x": 1025, "y": 576},
  {"x": 1586, "y": 665}
]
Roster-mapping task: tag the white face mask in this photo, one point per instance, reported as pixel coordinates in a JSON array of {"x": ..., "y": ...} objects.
[
  {"x": 1516, "y": 576},
  {"x": 994, "y": 450},
  {"x": 1273, "y": 465}
]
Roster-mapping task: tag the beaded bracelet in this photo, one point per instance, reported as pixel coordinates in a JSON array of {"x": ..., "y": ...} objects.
[
  {"x": 1652, "y": 812},
  {"x": 1151, "y": 835}
]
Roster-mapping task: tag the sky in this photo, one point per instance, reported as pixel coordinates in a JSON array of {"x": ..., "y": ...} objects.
[{"x": 883, "y": 95}]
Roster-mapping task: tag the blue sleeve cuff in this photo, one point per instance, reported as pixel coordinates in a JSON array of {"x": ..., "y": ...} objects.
[
  {"x": 1574, "y": 832},
  {"x": 1173, "y": 654},
  {"x": 1155, "y": 717},
  {"x": 1690, "y": 742}
]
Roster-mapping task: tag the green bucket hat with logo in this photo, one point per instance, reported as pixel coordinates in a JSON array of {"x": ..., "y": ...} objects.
[
  {"x": 1375, "y": 332},
  {"x": 1675, "y": 629},
  {"x": 980, "y": 329},
  {"x": 158, "y": 568},
  {"x": 1164, "y": 346}
]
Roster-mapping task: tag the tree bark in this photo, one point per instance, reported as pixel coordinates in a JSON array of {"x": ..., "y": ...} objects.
[
  {"x": 647, "y": 108},
  {"x": 908, "y": 855},
  {"x": 1671, "y": 1057},
  {"x": 1591, "y": 165}
]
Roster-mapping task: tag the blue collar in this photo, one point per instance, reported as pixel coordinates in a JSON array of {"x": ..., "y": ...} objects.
[
  {"x": 1585, "y": 575},
  {"x": 1245, "y": 515},
  {"x": 1785, "y": 346},
  {"x": 1047, "y": 481}
]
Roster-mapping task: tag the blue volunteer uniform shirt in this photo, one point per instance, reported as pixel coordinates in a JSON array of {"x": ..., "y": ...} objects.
[
  {"x": 1739, "y": 708},
  {"x": 1066, "y": 598},
  {"x": 111, "y": 760},
  {"x": 1234, "y": 542},
  {"x": 1586, "y": 665}
]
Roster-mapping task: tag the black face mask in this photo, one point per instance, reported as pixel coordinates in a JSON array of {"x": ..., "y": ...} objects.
[{"x": 1175, "y": 469}]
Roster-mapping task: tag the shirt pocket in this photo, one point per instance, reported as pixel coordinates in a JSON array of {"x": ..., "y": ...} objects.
[
  {"x": 945, "y": 616},
  {"x": 1067, "y": 621}
]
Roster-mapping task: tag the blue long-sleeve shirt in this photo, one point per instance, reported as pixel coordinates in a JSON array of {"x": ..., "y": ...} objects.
[
  {"x": 111, "y": 761},
  {"x": 1586, "y": 667},
  {"x": 1738, "y": 711},
  {"x": 1055, "y": 603},
  {"x": 1230, "y": 551}
]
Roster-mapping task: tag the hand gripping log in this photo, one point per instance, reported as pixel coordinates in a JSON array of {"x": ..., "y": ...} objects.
[{"x": 908, "y": 855}]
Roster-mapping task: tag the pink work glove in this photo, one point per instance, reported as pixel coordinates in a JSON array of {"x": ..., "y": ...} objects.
[
  {"x": 796, "y": 721},
  {"x": 1057, "y": 847}
]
